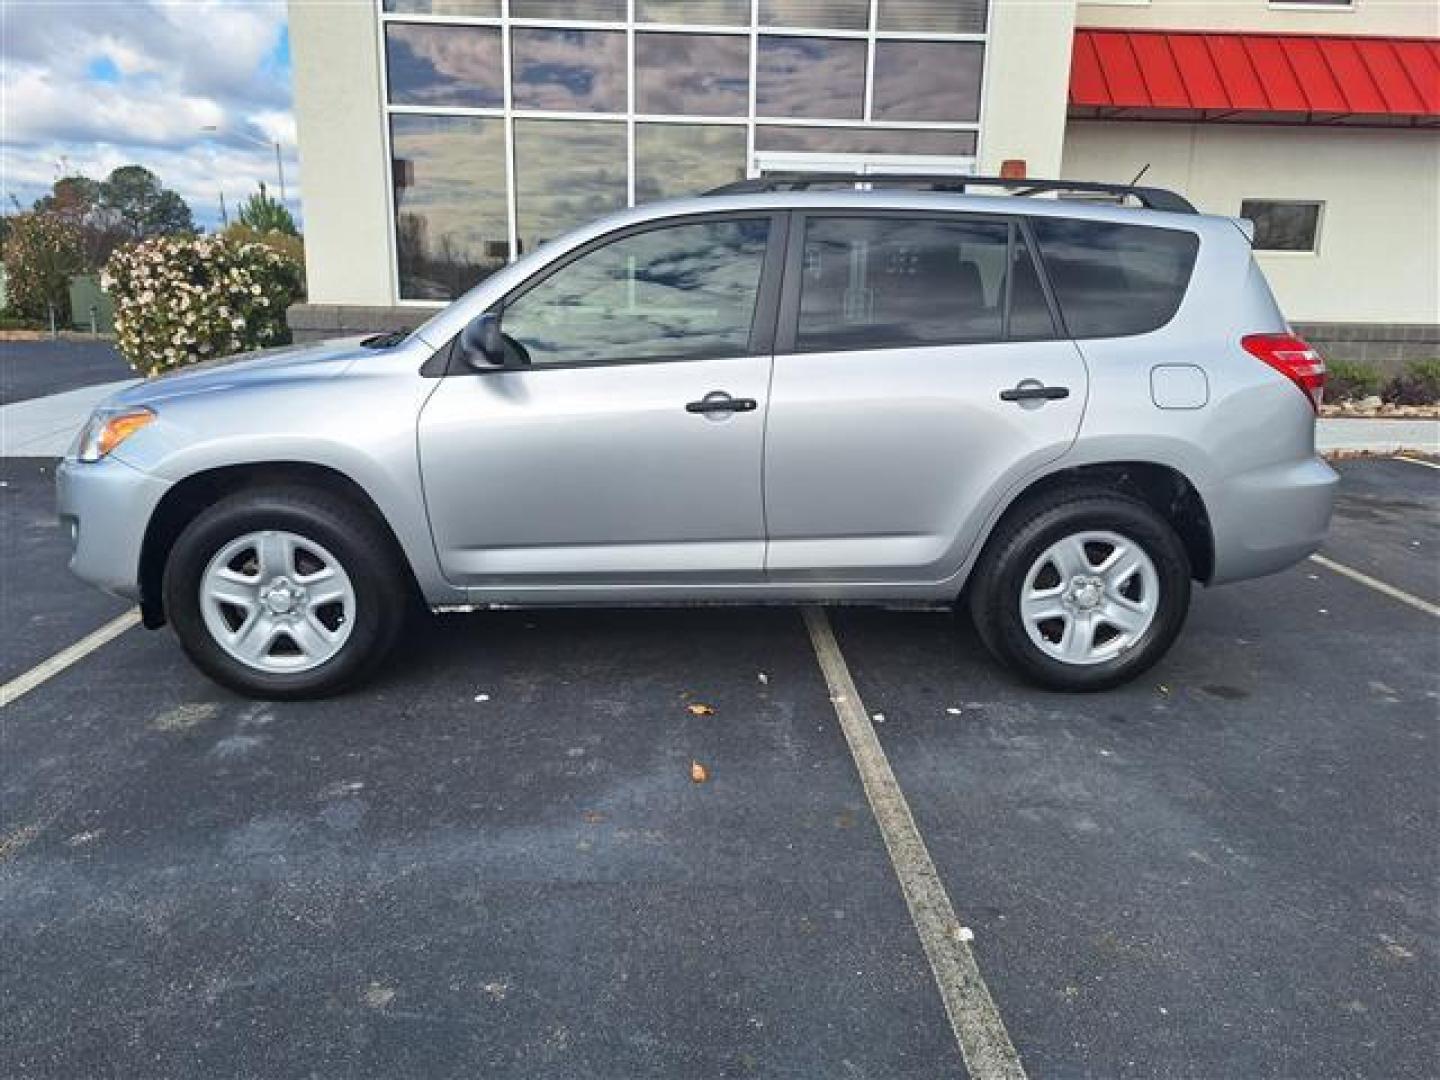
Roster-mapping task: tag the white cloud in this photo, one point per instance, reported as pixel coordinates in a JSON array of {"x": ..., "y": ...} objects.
[{"x": 88, "y": 86}]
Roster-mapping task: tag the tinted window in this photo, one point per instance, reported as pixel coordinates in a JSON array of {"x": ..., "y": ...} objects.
[
  {"x": 810, "y": 77},
  {"x": 1029, "y": 313},
  {"x": 1113, "y": 279},
  {"x": 444, "y": 65},
  {"x": 483, "y": 8},
  {"x": 928, "y": 80},
  {"x": 1283, "y": 226},
  {"x": 685, "y": 159},
  {"x": 883, "y": 282},
  {"x": 934, "y": 16},
  {"x": 683, "y": 291},
  {"x": 701, "y": 12},
  {"x": 692, "y": 74},
  {"x": 567, "y": 172},
  {"x": 568, "y": 70},
  {"x": 600, "y": 10},
  {"x": 866, "y": 140},
  {"x": 821, "y": 14}
]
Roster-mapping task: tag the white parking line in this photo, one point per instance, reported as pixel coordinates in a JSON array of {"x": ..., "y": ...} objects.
[
  {"x": 48, "y": 669},
  {"x": 984, "y": 1043},
  {"x": 1417, "y": 461},
  {"x": 1378, "y": 585}
]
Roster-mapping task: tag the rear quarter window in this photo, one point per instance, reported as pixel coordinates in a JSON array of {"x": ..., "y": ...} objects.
[{"x": 1113, "y": 279}]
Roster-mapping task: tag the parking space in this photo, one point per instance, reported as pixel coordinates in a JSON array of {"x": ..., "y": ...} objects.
[{"x": 495, "y": 861}]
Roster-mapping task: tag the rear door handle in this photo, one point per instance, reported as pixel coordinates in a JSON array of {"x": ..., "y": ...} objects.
[
  {"x": 1035, "y": 393},
  {"x": 721, "y": 403}
]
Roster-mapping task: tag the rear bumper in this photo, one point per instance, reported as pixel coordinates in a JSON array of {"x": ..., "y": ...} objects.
[
  {"x": 105, "y": 508},
  {"x": 1271, "y": 518}
]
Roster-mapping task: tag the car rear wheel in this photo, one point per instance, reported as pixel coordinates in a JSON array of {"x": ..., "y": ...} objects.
[
  {"x": 1081, "y": 590},
  {"x": 287, "y": 593}
]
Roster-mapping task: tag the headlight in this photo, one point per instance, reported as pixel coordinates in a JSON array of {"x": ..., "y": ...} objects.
[{"x": 108, "y": 428}]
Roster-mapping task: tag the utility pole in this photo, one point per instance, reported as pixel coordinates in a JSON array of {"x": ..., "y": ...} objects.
[{"x": 280, "y": 170}]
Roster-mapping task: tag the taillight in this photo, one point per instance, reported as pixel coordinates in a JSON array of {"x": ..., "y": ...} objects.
[{"x": 1293, "y": 358}]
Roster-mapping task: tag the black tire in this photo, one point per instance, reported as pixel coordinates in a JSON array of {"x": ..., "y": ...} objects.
[
  {"x": 384, "y": 593},
  {"x": 995, "y": 587}
]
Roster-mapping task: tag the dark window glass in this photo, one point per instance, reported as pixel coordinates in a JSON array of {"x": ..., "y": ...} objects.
[
  {"x": 1283, "y": 226},
  {"x": 451, "y": 225},
  {"x": 833, "y": 140},
  {"x": 682, "y": 291},
  {"x": 933, "y": 16},
  {"x": 1112, "y": 279},
  {"x": 444, "y": 65},
  {"x": 884, "y": 282},
  {"x": 810, "y": 77},
  {"x": 568, "y": 10},
  {"x": 927, "y": 80},
  {"x": 692, "y": 74},
  {"x": 568, "y": 70},
  {"x": 486, "y": 9},
  {"x": 698, "y": 12},
  {"x": 1029, "y": 313},
  {"x": 672, "y": 160},
  {"x": 820, "y": 14},
  {"x": 567, "y": 172}
]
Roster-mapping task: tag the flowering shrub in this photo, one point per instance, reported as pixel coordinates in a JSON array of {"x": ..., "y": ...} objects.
[
  {"x": 41, "y": 252},
  {"x": 181, "y": 299}
]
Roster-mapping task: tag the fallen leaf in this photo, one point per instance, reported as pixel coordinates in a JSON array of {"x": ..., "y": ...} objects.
[
  {"x": 698, "y": 773},
  {"x": 764, "y": 679},
  {"x": 699, "y": 708},
  {"x": 1165, "y": 690}
]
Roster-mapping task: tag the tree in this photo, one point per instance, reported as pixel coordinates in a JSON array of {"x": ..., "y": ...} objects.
[
  {"x": 42, "y": 251},
  {"x": 141, "y": 207},
  {"x": 76, "y": 201},
  {"x": 265, "y": 214}
]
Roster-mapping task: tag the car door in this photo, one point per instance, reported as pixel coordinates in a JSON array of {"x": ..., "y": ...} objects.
[
  {"x": 622, "y": 444},
  {"x": 918, "y": 372}
]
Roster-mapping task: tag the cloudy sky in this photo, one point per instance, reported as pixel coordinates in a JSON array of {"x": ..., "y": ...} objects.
[{"x": 86, "y": 85}]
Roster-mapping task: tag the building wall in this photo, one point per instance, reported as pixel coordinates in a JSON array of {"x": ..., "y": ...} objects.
[
  {"x": 1379, "y": 240},
  {"x": 1410, "y": 18},
  {"x": 1027, "y": 85}
]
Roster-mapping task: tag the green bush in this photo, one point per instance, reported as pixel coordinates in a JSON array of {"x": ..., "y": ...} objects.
[
  {"x": 1419, "y": 384},
  {"x": 41, "y": 252},
  {"x": 1349, "y": 380},
  {"x": 181, "y": 299}
]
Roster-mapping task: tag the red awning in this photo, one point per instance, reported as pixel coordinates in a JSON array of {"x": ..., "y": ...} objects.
[{"x": 1264, "y": 78}]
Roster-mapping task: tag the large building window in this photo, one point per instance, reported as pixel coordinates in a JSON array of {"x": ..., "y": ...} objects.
[{"x": 512, "y": 121}]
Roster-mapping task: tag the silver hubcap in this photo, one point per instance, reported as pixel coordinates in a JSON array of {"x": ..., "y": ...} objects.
[
  {"x": 1089, "y": 597},
  {"x": 277, "y": 602}
]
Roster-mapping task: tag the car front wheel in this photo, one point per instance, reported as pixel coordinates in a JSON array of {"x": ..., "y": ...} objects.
[
  {"x": 285, "y": 593},
  {"x": 1081, "y": 590}
]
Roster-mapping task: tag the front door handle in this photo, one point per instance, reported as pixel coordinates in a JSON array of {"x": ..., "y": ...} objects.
[
  {"x": 1033, "y": 391},
  {"x": 719, "y": 402}
]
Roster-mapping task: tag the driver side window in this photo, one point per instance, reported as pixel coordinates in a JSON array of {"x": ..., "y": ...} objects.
[{"x": 676, "y": 292}]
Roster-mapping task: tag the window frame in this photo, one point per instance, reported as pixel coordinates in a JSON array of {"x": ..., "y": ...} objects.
[
  {"x": 762, "y": 318},
  {"x": 788, "y": 317}
]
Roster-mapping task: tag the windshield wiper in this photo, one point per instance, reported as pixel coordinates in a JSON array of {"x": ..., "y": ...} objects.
[{"x": 386, "y": 341}]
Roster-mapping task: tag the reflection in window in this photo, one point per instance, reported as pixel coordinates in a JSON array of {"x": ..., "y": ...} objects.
[
  {"x": 567, "y": 172},
  {"x": 678, "y": 291},
  {"x": 692, "y": 74},
  {"x": 568, "y": 70},
  {"x": 1283, "y": 225},
  {"x": 673, "y": 160},
  {"x": 820, "y": 14},
  {"x": 567, "y": 10},
  {"x": 927, "y": 80},
  {"x": 485, "y": 9},
  {"x": 933, "y": 16},
  {"x": 451, "y": 227},
  {"x": 696, "y": 12},
  {"x": 444, "y": 65},
  {"x": 836, "y": 140},
  {"x": 822, "y": 78},
  {"x": 884, "y": 282}
]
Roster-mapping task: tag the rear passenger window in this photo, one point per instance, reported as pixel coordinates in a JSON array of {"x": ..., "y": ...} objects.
[
  {"x": 1115, "y": 279},
  {"x": 887, "y": 282}
]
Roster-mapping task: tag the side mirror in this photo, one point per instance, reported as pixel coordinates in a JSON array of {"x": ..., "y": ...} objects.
[{"x": 481, "y": 342}]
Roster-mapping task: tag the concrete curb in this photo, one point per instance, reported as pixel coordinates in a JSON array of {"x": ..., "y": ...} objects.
[{"x": 1377, "y": 436}]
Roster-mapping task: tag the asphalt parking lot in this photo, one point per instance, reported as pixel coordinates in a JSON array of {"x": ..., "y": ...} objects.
[{"x": 494, "y": 861}]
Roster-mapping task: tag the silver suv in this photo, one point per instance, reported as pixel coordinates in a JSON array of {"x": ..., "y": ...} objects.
[{"x": 1053, "y": 412}]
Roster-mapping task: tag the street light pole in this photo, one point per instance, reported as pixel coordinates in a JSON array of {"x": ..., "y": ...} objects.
[{"x": 255, "y": 141}]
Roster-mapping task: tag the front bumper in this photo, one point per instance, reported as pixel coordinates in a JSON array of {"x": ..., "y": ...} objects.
[
  {"x": 1271, "y": 518},
  {"x": 105, "y": 507}
]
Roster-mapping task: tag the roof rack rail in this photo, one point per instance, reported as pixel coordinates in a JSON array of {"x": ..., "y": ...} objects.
[{"x": 1152, "y": 198}]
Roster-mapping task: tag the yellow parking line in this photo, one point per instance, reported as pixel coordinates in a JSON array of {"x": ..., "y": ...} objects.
[{"x": 48, "y": 669}]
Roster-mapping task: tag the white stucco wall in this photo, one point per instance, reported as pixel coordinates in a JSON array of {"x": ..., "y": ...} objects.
[
  {"x": 344, "y": 175},
  {"x": 1413, "y": 18},
  {"x": 1027, "y": 84},
  {"x": 1379, "y": 257}
]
